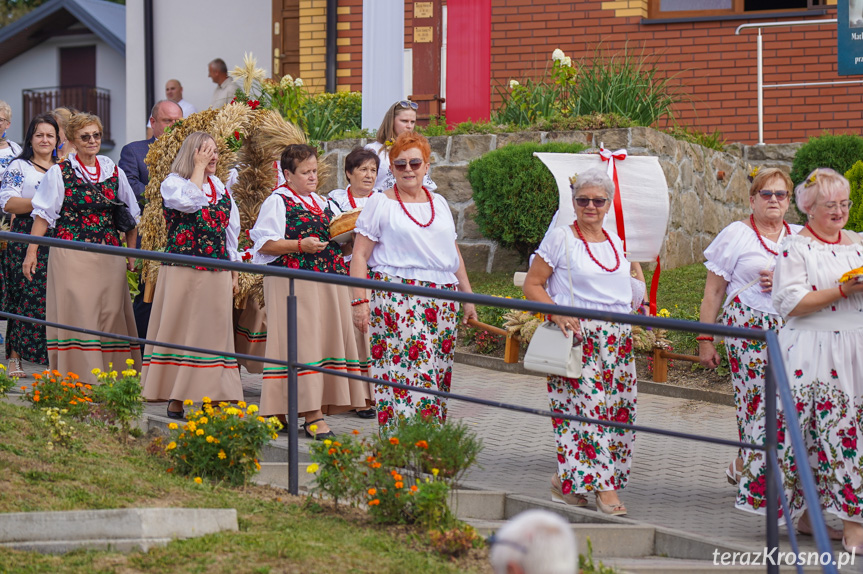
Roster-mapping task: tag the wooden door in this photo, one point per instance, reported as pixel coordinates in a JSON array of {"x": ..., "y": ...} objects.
[
  {"x": 78, "y": 78},
  {"x": 286, "y": 38}
]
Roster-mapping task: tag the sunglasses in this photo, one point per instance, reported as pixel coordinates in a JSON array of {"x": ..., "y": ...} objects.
[
  {"x": 408, "y": 104},
  {"x": 402, "y": 164},
  {"x": 86, "y": 138},
  {"x": 767, "y": 194},
  {"x": 585, "y": 201}
]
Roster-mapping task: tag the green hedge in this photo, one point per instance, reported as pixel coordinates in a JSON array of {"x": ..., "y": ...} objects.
[
  {"x": 837, "y": 152},
  {"x": 855, "y": 178},
  {"x": 515, "y": 194}
]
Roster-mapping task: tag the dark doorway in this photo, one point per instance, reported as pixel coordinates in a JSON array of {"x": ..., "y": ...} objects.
[
  {"x": 78, "y": 66},
  {"x": 286, "y": 38}
]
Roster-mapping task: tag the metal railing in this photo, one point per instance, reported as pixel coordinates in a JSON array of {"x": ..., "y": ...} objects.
[
  {"x": 776, "y": 380},
  {"x": 760, "y": 65},
  {"x": 89, "y": 99}
]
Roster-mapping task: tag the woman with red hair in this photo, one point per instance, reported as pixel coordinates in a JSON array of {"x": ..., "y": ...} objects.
[{"x": 407, "y": 235}]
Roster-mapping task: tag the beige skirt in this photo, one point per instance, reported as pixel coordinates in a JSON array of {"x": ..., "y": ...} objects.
[
  {"x": 250, "y": 334},
  {"x": 194, "y": 308},
  {"x": 88, "y": 290},
  {"x": 326, "y": 338}
]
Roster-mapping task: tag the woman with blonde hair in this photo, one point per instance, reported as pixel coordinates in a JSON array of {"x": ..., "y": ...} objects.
[
  {"x": 193, "y": 305},
  {"x": 401, "y": 117},
  {"x": 77, "y": 199},
  {"x": 63, "y": 114},
  {"x": 9, "y": 150},
  {"x": 820, "y": 342}
]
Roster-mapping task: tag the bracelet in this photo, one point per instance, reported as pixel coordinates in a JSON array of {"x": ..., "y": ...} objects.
[
  {"x": 299, "y": 244},
  {"x": 356, "y": 302},
  {"x": 704, "y": 338},
  {"x": 841, "y": 292},
  {"x": 548, "y": 317}
]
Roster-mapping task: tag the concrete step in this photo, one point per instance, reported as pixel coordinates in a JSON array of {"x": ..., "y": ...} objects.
[
  {"x": 663, "y": 565},
  {"x": 608, "y": 540}
]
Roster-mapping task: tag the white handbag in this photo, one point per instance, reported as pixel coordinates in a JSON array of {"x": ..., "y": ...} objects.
[{"x": 552, "y": 352}]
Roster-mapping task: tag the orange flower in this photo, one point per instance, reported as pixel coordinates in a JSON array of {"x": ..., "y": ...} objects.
[
  {"x": 394, "y": 440},
  {"x": 23, "y": 388},
  {"x": 376, "y": 465},
  {"x": 374, "y": 502},
  {"x": 414, "y": 488},
  {"x": 400, "y": 485},
  {"x": 421, "y": 444},
  {"x": 72, "y": 403},
  {"x": 337, "y": 443},
  {"x": 331, "y": 451},
  {"x": 37, "y": 376},
  {"x": 373, "y": 491},
  {"x": 368, "y": 458},
  {"x": 355, "y": 431},
  {"x": 79, "y": 385},
  {"x": 55, "y": 372},
  {"x": 88, "y": 387},
  {"x": 36, "y": 399},
  {"x": 53, "y": 380}
]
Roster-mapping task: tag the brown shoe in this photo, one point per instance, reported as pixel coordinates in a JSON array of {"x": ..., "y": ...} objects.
[{"x": 572, "y": 499}]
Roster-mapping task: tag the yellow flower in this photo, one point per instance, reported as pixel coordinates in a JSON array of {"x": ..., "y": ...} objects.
[
  {"x": 199, "y": 480},
  {"x": 188, "y": 403},
  {"x": 313, "y": 429},
  {"x": 2, "y": 367},
  {"x": 262, "y": 420},
  {"x": 206, "y": 400},
  {"x": 232, "y": 411},
  {"x": 222, "y": 455},
  {"x": 328, "y": 442},
  {"x": 96, "y": 371},
  {"x": 664, "y": 313},
  {"x": 203, "y": 421},
  {"x": 210, "y": 439},
  {"x": 172, "y": 426},
  {"x": 252, "y": 409},
  {"x": 435, "y": 471},
  {"x": 199, "y": 432},
  {"x": 130, "y": 362},
  {"x": 312, "y": 468},
  {"x": 171, "y": 446},
  {"x": 241, "y": 404},
  {"x": 192, "y": 426}
]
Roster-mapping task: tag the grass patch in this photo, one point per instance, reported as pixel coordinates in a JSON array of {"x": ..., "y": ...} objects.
[{"x": 278, "y": 533}]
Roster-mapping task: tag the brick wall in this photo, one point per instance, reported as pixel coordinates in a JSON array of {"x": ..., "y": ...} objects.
[
  {"x": 716, "y": 68},
  {"x": 313, "y": 44}
]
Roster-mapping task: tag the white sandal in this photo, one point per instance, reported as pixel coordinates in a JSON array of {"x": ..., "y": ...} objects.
[
  {"x": 733, "y": 478},
  {"x": 15, "y": 371}
]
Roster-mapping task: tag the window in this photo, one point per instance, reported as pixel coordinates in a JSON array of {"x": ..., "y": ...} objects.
[{"x": 708, "y": 8}]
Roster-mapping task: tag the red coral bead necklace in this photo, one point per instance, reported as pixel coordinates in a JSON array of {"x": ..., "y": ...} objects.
[
  {"x": 213, "y": 195},
  {"x": 821, "y": 239},
  {"x": 94, "y": 178},
  {"x": 761, "y": 239},
  {"x": 595, "y": 260},
  {"x": 408, "y": 213},
  {"x": 313, "y": 208}
]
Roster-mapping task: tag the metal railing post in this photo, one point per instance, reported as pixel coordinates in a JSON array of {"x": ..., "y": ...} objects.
[
  {"x": 760, "y": 90},
  {"x": 771, "y": 492},
  {"x": 293, "y": 415}
]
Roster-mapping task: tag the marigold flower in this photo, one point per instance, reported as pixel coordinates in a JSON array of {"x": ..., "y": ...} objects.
[
  {"x": 376, "y": 465},
  {"x": 211, "y": 439},
  {"x": 312, "y": 468},
  {"x": 355, "y": 431},
  {"x": 130, "y": 362},
  {"x": 241, "y": 404},
  {"x": 96, "y": 371},
  {"x": 36, "y": 399},
  {"x": 313, "y": 429},
  {"x": 188, "y": 402},
  {"x": 400, "y": 485},
  {"x": 206, "y": 400},
  {"x": 199, "y": 480},
  {"x": 421, "y": 444},
  {"x": 252, "y": 409},
  {"x": 332, "y": 451},
  {"x": 435, "y": 471},
  {"x": 22, "y": 388},
  {"x": 414, "y": 488},
  {"x": 328, "y": 442},
  {"x": 199, "y": 432},
  {"x": 171, "y": 446},
  {"x": 373, "y": 491},
  {"x": 172, "y": 426},
  {"x": 88, "y": 387},
  {"x": 337, "y": 443},
  {"x": 394, "y": 440},
  {"x": 203, "y": 420},
  {"x": 222, "y": 455},
  {"x": 374, "y": 502}
]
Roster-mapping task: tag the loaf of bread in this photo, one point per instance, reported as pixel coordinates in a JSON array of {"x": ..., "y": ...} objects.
[{"x": 344, "y": 222}]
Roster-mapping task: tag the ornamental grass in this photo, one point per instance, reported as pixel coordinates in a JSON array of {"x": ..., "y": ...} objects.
[{"x": 220, "y": 443}]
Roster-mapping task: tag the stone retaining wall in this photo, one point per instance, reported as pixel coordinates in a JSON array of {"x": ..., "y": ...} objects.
[{"x": 709, "y": 189}]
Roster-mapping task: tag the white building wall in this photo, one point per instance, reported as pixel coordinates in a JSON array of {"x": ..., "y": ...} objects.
[
  {"x": 40, "y": 68},
  {"x": 187, "y": 36}
]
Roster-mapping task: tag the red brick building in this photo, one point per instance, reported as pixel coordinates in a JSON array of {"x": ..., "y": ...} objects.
[{"x": 714, "y": 66}]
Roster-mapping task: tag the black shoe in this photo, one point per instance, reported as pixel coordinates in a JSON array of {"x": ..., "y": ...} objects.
[
  {"x": 366, "y": 413},
  {"x": 318, "y": 435},
  {"x": 178, "y": 415}
]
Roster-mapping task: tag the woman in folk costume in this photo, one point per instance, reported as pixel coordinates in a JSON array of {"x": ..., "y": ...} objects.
[
  {"x": 9, "y": 150},
  {"x": 401, "y": 117},
  {"x": 26, "y": 297},
  {"x": 292, "y": 231},
  {"x": 193, "y": 305},
  {"x": 77, "y": 200}
]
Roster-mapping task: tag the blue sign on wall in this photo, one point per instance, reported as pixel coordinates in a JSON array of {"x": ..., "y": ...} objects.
[{"x": 850, "y": 37}]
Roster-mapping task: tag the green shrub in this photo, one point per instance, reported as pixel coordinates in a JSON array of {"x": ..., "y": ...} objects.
[
  {"x": 838, "y": 152},
  {"x": 527, "y": 102},
  {"x": 855, "y": 178},
  {"x": 515, "y": 194}
]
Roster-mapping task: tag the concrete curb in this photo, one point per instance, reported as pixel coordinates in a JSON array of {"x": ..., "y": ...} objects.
[
  {"x": 122, "y": 529},
  {"x": 649, "y": 387}
]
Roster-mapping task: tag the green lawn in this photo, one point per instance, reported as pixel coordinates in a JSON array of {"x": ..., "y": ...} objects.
[{"x": 278, "y": 533}]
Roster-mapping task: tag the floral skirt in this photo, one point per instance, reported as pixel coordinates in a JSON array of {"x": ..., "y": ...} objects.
[
  {"x": 825, "y": 372},
  {"x": 23, "y": 297},
  {"x": 88, "y": 290},
  {"x": 592, "y": 457},
  {"x": 748, "y": 361},
  {"x": 413, "y": 343}
]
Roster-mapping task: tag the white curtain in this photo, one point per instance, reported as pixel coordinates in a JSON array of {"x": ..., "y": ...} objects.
[{"x": 383, "y": 58}]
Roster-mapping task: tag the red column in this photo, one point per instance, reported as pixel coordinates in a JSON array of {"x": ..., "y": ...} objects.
[{"x": 468, "y": 61}]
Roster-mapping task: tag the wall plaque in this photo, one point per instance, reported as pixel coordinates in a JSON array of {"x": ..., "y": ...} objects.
[
  {"x": 423, "y": 35},
  {"x": 423, "y": 9}
]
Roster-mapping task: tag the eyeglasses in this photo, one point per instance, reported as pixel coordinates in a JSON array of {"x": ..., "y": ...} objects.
[
  {"x": 408, "y": 104},
  {"x": 402, "y": 164},
  {"x": 493, "y": 539},
  {"x": 843, "y": 205},
  {"x": 585, "y": 201},
  {"x": 767, "y": 194},
  {"x": 94, "y": 137},
  {"x": 5, "y": 121}
]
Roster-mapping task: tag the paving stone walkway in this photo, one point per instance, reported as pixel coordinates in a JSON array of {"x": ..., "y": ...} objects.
[{"x": 674, "y": 483}]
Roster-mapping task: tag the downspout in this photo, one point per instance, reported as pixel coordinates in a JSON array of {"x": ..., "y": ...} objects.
[
  {"x": 149, "y": 69},
  {"x": 332, "y": 16}
]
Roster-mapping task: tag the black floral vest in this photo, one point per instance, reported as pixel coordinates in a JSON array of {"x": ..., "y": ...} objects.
[
  {"x": 302, "y": 223},
  {"x": 86, "y": 215},
  {"x": 202, "y": 234}
]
